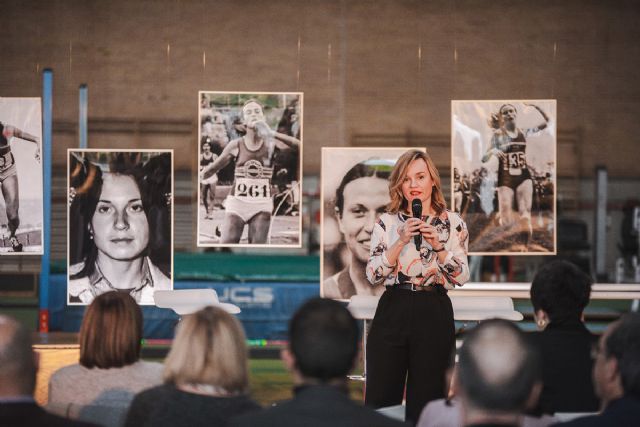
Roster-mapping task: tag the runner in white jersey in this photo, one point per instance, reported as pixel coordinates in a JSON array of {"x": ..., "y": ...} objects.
[{"x": 250, "y": 202}]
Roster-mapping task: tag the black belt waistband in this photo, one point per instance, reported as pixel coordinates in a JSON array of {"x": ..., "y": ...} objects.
[{"x": 414, "y": 288}]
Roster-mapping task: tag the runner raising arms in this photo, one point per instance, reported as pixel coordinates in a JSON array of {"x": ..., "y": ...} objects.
[
  {"x": 509, "y": 145},
  {"x": 250, "y": 202}
]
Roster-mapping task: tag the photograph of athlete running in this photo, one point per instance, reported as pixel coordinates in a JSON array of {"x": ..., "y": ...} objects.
[
  {"x": 19, "y": 159},
  {"x": 509, "y": 144},
  {"x": 517, "y": 148},
  {"x": 247, "y": 213}
]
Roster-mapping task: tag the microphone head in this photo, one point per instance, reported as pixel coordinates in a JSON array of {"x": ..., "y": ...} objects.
[{"x": 416, "y": 208}]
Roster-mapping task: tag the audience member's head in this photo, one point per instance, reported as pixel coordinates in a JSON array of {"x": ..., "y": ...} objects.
[
  {"x": 18, "y": 362},
  {"x": 498, "y": 372},
  {"x": 209, "y": 349},
  {"x": 323, "y": 341},
  {"x": 560, "y": 291},
  {"x": 111, "y": 332},
  {"x": 616, "y": 370}
]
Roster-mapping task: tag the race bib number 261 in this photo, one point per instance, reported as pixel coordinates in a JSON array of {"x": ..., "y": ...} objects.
[{"x": 253, "y": 189}]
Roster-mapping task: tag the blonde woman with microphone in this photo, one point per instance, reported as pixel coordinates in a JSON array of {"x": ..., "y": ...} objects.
[{"x": 418, "y": 251}]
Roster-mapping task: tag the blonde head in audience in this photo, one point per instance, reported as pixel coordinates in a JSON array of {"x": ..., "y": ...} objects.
[{"x": 209, "y": 350}]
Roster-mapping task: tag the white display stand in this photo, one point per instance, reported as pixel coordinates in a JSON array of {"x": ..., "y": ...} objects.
[
  {"x": 187, "y": 301},
  {"x": 465, "y": 309}
]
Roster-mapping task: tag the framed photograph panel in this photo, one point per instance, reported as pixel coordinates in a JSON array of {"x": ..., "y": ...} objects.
[
  {"x": 250, "y": 169},
  {"x": 354, "y": 193},
  {"x": 21, "y": 176},
  {"x": 504, "y": 175},
  {"x": 120, "y": 223}
]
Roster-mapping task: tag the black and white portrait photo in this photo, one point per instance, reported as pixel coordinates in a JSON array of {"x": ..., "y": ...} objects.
[
  {"x": 504, "y": 174},
  {"x": 354, "y": 193},
  {"x": 20, "y": 176},
  {"x": 120, "y": 220},
  {"x": 250, "y": 161}
]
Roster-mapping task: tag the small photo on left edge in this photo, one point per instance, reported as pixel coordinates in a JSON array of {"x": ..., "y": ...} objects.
[
  {"x": 21, "y": 203},
  {"x": 120, "y": 223}
]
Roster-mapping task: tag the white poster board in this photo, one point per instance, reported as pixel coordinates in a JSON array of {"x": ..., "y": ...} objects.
[
  {"x": 120, "y": 223},
  {"x": 250, "y": 169},
  {"x": 21, "y": 204},
  {"x": 504, "y": 179}
]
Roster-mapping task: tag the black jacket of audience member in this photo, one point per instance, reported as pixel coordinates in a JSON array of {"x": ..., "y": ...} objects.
[
  {"x": 565, "y": 348},
  {"x": 317, "y": 406},
  {"x": 29, "y": 414},
  {"x": 623, "y": 412},
  {"x": 165, "y": 405}
]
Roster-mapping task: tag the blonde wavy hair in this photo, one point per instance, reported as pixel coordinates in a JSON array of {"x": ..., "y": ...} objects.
[
  {"x": 209, "y": 348},
  {"x": 398, "y": 202}
]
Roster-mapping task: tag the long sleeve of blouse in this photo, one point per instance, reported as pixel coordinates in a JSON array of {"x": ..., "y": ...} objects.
[{"x": 421, "y": 268}]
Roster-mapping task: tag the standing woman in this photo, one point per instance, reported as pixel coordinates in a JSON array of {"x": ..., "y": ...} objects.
[{"x": 412, "y": 334}]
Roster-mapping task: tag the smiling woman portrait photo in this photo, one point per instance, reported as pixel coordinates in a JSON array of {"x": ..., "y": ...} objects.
[
  {"x": 119, "y": 224},
  {"x": 355, "y": 194}
]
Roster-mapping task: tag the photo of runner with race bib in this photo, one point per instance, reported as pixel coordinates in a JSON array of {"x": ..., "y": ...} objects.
[{"x": 253, "y": 184}]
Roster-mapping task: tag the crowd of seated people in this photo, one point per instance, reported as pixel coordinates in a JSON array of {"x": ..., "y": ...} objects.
[{"x": 504, "y": 377}]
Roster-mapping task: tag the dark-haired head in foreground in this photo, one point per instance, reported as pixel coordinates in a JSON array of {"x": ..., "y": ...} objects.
[
  {"x": 323, "y": 346},
  {"x": 323, "y": 342},
  {"x": 560, "y": 292},
  {"x": 498, "y": 373}
]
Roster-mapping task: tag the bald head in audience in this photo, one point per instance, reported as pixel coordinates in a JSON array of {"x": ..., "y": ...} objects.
[
  {"x": 498, "y": 374},
  {"x": 18, "y": 362}
]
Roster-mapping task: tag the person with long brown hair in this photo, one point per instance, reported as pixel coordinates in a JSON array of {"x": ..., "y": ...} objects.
[
  {"x": 100, "y": 388},
  {"x": 417, "y": 260}
]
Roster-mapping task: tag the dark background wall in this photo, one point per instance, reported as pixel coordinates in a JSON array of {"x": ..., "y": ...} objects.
[
  {"x": 372, "y": 72},
  {"x": 366, "y": 67}
]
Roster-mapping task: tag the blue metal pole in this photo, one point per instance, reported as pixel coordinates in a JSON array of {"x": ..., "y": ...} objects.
[
  {"x": 83, "y": 115},
  {"x": 47, "y": 121}
]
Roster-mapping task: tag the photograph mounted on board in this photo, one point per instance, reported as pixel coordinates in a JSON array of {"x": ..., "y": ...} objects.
[
  {"x": 20, "y": 176},
  {"x": 250, "y": 169},
  {"x": 354, "y": 193},
  {"x": 504, "y": 175},
  {"x": 120, "y": 223}
]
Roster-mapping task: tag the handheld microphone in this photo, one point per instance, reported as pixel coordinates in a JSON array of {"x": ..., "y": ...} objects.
[{"x": 416, "y": 210}]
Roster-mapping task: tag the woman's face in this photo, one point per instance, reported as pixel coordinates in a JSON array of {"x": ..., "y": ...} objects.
[
  {"x": 508, "y": 113},
  {"x": 252, "y": 113},
  {"x": 417, "y": 183},
  {"x": 365, "y": 200},
  {"x": 119, "y": 224}
]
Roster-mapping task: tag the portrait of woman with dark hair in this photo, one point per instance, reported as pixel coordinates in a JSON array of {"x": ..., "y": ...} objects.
[{"x": 119, "y": 224}]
